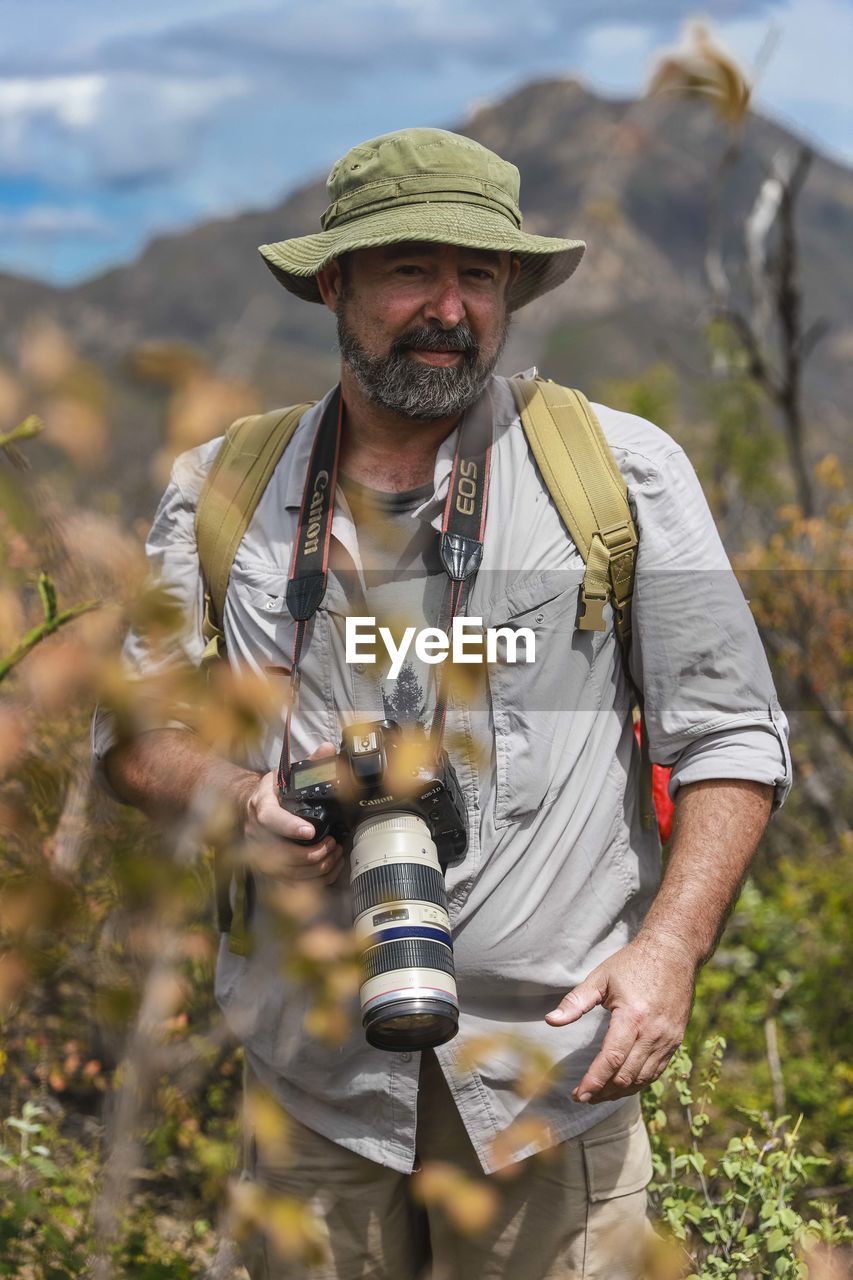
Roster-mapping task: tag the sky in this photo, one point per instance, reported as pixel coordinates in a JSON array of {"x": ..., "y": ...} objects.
[{"x": 122, "y": 121}]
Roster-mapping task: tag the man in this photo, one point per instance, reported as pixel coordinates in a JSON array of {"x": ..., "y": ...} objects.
[{"x": 563, "y": 937}]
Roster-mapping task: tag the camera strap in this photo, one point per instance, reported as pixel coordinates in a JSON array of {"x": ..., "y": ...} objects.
[
  {"x": 460, "y": 543},
  {"x": 463, "y": 529},
  {"x": 309, "y": 565}
]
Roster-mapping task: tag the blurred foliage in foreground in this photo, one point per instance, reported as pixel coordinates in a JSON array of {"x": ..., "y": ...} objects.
[
  {"x": 120, "y": 1085},
  {"x": 120, "y": 1093}
]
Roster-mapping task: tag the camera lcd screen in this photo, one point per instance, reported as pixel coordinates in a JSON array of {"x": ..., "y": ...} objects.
[{"x": 312, "y": 775}]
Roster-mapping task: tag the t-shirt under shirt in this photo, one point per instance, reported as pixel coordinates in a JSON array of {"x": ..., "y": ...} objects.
[{"x": 406, "y": 586}]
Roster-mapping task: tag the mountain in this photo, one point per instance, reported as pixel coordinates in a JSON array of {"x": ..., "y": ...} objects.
[{"x": 632, "y": 178}]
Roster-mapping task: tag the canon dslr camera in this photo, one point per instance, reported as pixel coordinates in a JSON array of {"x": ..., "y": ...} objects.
[{"x": 405, "y": 818}]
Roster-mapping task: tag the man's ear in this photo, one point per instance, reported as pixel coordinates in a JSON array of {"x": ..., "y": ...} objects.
[
  {"x": 514, "y": 268},
  {"x": 330, "y": 282}
]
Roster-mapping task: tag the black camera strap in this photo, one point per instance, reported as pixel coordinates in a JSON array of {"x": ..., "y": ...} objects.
[
  {"x": 463, "y": 529},
  {"x": 309, "y": 565},
  {"x": 460, "y": 545}
]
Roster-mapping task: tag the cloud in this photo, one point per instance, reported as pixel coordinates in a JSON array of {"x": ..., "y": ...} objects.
[
  {"x": 131, "y": 107},
  {"x": 355, "y": 37},
  {"x": 71, "y": 99},
  {"x": 174, "y": 110},
  {"x": 52, "y": 220},
  {"x": 105, "y": 127}
]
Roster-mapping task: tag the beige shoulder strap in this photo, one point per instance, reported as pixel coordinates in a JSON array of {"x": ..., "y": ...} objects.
[
  {"x": 581, "y": 474},
  {"x": 235, "y": 483}
]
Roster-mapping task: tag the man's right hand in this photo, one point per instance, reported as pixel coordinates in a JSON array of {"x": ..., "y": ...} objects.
[{"x": 275, "y": 831}]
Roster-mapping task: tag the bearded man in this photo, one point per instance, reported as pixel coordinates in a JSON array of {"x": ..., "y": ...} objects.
[{"x": 568, "y": 947}]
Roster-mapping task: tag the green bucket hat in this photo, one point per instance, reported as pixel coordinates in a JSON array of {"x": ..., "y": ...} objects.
[{"x": 424, "y": 185}]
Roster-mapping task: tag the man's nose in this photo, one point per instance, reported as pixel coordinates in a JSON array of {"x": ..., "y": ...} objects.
[{"x": 446, "y": 304}]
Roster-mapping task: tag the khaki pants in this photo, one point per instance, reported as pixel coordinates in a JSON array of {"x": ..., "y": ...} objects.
[{"x": 574, "y": 1213}]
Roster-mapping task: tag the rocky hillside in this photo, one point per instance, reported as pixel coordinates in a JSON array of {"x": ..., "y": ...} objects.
[{"x": 631, "y": 178}]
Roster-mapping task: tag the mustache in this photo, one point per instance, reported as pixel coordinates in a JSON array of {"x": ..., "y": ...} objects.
[{"x": 460, "y": 338}]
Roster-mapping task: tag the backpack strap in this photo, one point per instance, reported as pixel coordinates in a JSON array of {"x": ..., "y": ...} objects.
[
  {"x": 241, "y": 470},
  {"x": 588, "y": 490},
  {"x": 581, "y": 474}
]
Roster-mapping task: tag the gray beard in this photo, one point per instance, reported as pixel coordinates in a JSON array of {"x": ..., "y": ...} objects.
[{"x": 413, "y": 390}]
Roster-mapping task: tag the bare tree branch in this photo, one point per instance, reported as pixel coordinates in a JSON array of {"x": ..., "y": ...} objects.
[
  {"x": 38, "y": 633},
  {"x": 25, "y": 430}
]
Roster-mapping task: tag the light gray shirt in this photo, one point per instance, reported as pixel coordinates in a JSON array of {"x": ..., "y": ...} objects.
[{"x": 559, "y": 871}]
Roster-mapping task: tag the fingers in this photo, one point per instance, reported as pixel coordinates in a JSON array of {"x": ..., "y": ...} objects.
[
  {"x": 273, "y": 832},
  {"x": 265, "y": 815},
  {"x": 307, "y": 862},
  {"x": 622, "y": 1068},
  {"x": 282, "y": 860},
  {"x": 619, "y": 1042},
  {"x": 648, "y": 997},
  {"x": 586, "y": 996}
]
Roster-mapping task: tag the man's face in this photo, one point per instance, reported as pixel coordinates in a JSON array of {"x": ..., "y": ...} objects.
[{"x": 421, "y": 326}]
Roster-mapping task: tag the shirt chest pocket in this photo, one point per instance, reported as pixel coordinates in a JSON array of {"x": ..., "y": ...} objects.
[
  {"x": 259, "y": 627},
  {"x": 262, "y": 634},
  {"x": 540, "y": 693}
]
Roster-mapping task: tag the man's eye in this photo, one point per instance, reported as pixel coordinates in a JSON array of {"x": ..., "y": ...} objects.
[
  {"x": 481, "y": 273},
  {"x": 408, "y": 269}
]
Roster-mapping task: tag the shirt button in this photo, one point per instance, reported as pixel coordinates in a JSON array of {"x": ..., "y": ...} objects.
[
  {"x": 405, "y": 1057},
  {"x": 359, "y": 666}
]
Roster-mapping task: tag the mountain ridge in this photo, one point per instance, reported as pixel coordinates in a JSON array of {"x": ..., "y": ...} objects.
[{"x": 631, "y": 177}]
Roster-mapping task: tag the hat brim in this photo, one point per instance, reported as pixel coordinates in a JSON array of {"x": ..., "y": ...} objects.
[{"x": 545, "y": 261}]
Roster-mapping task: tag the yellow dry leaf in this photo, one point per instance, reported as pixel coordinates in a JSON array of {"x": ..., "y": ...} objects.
[
  {"x": 57, "y": 671},
  {"x": 525, "y": 1132},
  {"x": 79, "y": 429},
  {"x": 269, "y": 1124},
  {"x": 294, "y": 1231},
  {"x": 830, "y": 473},
  {"x": 169, "y": 363},
  {"x": 478, "y": 1049},
  {"x": 297, "y": 901},
  {"x": 204, "y": 406},
  {"x": 329, "y": 1023},
  {"x": 702, "y": 68},
  {"x": 473, "y": 1207},
  {"x": 323, "y": 943},
  {"x": 46, "y": 353},
  {"x": 470, "y": 1203}
]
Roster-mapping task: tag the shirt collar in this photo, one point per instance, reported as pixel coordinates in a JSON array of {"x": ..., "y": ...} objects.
[{"x": 431, "y": 510}]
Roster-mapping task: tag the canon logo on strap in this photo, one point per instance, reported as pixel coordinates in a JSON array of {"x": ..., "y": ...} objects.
[
  {"x": 312, "y": 531},
  {"x": 466, "y": 487}
]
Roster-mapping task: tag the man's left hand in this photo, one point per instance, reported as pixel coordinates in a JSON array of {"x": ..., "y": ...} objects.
[{"x": 648, "y": 988}]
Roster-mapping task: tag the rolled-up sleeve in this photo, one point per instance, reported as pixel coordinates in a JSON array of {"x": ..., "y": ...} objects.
[
  {"x": 174, "y": 569},
  {"x": 710, "y": 706}
]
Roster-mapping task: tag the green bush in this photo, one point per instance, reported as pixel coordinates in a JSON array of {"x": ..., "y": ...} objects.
[
  {"x": 737, "y": 1214},
  {"x": 47, "y": 1190}
]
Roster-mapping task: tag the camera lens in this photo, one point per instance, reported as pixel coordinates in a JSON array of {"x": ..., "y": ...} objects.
[{"x": 408, "y": 991}]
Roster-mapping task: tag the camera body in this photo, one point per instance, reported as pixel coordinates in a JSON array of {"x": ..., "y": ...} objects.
[
  {"x": 403, "y": 818},
  {"x": 376, "y": 772}
]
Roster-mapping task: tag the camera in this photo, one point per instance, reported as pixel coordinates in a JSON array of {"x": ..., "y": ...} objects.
[{"x": 400, "y": 812}]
